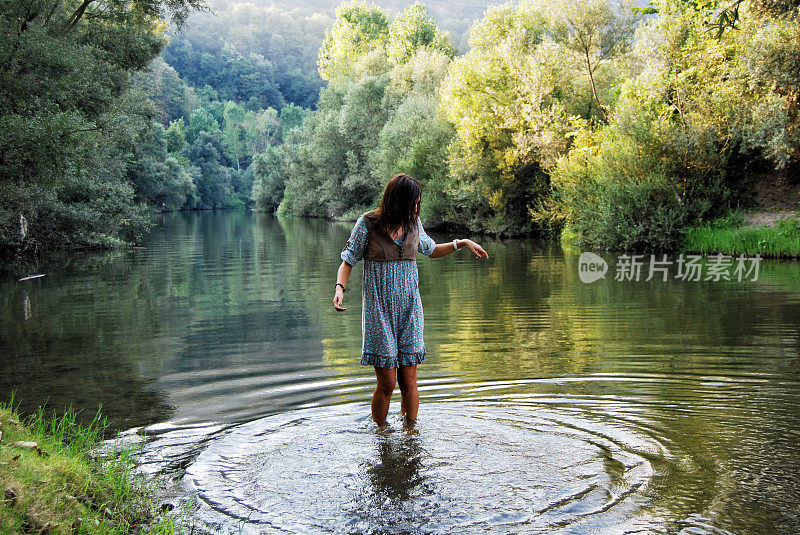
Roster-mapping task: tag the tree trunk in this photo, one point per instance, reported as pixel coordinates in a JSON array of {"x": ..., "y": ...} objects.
[
  {"x": 591, "y": 82},
  {"x": 78, "y": 14}
]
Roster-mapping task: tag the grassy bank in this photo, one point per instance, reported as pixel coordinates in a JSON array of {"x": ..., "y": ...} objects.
[
  {"x": 51, "y": 482},
  {"x": 732, "y": 236}
]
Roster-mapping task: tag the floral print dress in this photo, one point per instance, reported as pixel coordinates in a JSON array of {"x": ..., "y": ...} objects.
[{"x": 392, "y": 320}]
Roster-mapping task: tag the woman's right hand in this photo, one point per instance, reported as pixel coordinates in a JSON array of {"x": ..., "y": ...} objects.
[{"x": 338, "y": 296}]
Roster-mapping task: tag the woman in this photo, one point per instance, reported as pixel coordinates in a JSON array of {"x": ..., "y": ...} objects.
[{"x": 388, "y": 239}]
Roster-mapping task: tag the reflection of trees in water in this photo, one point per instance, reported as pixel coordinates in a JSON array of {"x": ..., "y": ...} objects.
[
  {"x": 227, "y": 290},
  {"x": 211, "y": 291},
  {"x": 98, "y": 329},
  {"x": 82, "y": 340}
]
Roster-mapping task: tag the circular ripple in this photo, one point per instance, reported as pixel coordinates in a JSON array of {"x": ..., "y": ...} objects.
[{"x": 464, "y": 468}]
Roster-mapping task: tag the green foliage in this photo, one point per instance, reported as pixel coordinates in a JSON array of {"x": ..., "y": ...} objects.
[
  {"x": 69, "y": 114},
  {"x": 211, "y": 177},
  {"x": 617, "y": 189},
  {"x": 73, "y": 481},
  {"x": 233, "y": 133},
  {"x": 592, "y": 33},
  {"x": 378, "y": 117},
  {"x": 261, "y": 55},
  {"x": 171, "y": 95},
  {"x": 412, "y": 30},
  {"x": 525, "y": 84},
  {"x": 610, "y": 210},
  {"x": 328, "y": 159},
  {"x": 357, "y": 30},
  {"x": 269, "y": 169},
  {"x": 699, "y": 110},
  {"x": 159, "y": 177},
  {"x": 723, "y": 101},
  {"x": 175, "y": 136},
  {"x": 291, "y": 117},
  {"x": 201, "y": 120},
  {"x": 415, "y": 138},
  {"x": 552, "y": 119},
  {"x": 207, "y": 164}
]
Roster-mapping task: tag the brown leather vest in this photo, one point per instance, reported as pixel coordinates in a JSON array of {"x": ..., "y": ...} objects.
[{"x": 381, "y": 248}]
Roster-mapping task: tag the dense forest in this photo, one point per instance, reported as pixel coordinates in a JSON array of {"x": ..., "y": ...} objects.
[
  {"x": 608, "y": 125},
  {"x": 611, "y": 126}
]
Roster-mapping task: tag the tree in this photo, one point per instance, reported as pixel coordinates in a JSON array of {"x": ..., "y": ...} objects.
[
  {"x": 328, "y": 160},
  {"x": 357, "y": 30},
  {"x": 176, "y": 136},
  {"x": 157, "y": 176},
  {"x": 685, "y": 129},
  {"x": 411, "y": 30},
  {"x": 69, "y": 115},
  {"x": 233, "y": 132},
  {"x": 291, "y": 117},
  {"x": 261, "y": 130},
  {"x": 173, "y": 96},
  {"x": 415, "y": 138},
  {"x": 274, "y": 47},
  {"x": 517, "y": 96},
  {"x": 211, "y": 177},
  {"x": 269, "y": 171},
  {"x": 201, "y": 120},
  {"x": 593, "y": 32}
]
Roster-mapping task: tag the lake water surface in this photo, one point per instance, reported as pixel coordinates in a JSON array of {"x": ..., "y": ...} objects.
[{"x": 547, "y": 405}]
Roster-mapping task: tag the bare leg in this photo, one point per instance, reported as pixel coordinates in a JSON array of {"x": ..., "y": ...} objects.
[
  {"x": 409, "y": 395},
  {"x": 383, "y": 393}
]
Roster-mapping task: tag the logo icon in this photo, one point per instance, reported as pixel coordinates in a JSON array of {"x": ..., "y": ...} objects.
[{"x": 591, "y": 267}]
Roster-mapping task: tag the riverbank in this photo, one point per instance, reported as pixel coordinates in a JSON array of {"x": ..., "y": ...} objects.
[
  {"x": 53, "y": 480},
  {"x": 769, "y": 234}
]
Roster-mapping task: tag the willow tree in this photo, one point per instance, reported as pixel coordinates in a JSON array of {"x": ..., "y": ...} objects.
[
  {"x": 69, "y": 114},
  {"x": 705, "y": 108},
  {"x": 357, "y": 30},
  {"x": 515, "y": 99},
  {"x": 377, "y": 117},
  {"x": 411, "y": 30},
  {"x": 594, "y": 33}
]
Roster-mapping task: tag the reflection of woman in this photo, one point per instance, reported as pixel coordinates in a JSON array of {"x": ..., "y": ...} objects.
[{"x": 388, "y": 239}]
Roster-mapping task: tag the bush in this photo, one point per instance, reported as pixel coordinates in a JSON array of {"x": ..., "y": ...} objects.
[
  {"x": 614, "y": 191},
  {"x": 269, "y": 171},
  {"x": 629, "y": 215}
]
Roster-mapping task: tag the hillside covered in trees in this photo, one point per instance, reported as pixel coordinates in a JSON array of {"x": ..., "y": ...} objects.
[
  {"x": 110, "y": 110},
  {"x": 611, "y": 126},
  {"x": 605, "y": 124}
]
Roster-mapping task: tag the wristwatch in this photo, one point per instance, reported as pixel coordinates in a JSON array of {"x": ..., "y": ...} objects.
[{"x": 455, "y": 244}]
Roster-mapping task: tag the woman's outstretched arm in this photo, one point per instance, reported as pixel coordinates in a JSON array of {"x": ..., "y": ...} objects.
[
  {"x": 444, "y": 249},
  {"x": 342, "y": 276},
  {"x": 431, "y": 249}
]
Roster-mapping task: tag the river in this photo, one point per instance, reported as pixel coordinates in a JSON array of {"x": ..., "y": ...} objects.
[{"x": 548, "y": 405}]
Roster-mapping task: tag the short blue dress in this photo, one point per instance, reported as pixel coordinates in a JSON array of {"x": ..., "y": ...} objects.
[{"x": 392, "y": 320}]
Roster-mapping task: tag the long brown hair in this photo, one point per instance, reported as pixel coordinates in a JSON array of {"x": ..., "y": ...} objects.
[{"x": 399, "y": 207}]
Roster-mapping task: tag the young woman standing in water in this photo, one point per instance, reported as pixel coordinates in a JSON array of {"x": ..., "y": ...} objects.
[{"x": 388, "y": 239}]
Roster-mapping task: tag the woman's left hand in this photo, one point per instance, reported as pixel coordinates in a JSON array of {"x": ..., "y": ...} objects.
[{"x": 476, "y": 249}]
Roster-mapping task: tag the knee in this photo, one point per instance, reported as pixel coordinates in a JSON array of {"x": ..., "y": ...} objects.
[
  {"x": 385, "y": 388},
  {"x": 408, "y": 385}
]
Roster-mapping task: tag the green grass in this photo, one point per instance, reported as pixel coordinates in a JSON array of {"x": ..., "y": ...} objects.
[
  {"x": 730, "y": 236},
  {"x": 65, "y": 485}
]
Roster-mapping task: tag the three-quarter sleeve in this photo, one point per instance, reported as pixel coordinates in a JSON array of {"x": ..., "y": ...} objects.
[
  {"x": 354, "y": 248},
  {"x": 426, "y": 243}
]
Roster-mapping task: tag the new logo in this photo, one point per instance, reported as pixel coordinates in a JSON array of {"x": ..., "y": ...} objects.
[{"x": 591, "y": 267}]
